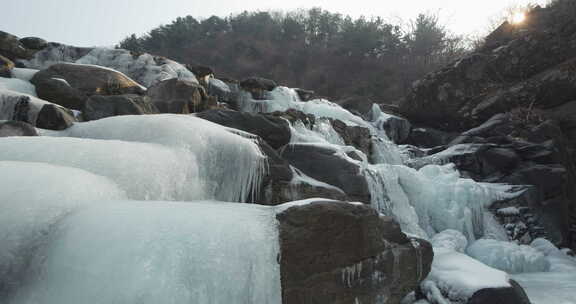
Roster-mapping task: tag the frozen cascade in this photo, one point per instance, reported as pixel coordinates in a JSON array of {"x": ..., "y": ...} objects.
[
  {"x": 169, "y": 253},
  {"x": 221, "y": 163},
  {"x": 283, "y": 98}
]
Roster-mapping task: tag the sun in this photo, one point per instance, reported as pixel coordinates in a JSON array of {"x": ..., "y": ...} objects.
[{"x": 518, "y": 18}]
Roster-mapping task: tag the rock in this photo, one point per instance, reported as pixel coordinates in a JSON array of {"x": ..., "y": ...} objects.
[
  {"x": 428, "y": 137},
  {"x": 397, "y": 128},
  {"x": 274, "y": 130},
  {"x": 305, "y": 95},
  {"x": 180, "y": 97},
  {"x": 325, "y": 164},
  {"x": 34, "y": 43},
  {"x": 549, "y": 178},
  {"x": 335, "y": 252},
  {"x": 293, "y": 116},
  {"x": 59, "y": 91},
  {"x": 143, "y": 68},
  {"x": 220, "y": 89},
  {"x": 17, "y": 128},
  {"x": 508, "y": 295},
  {"x": 98, "y": 107},
  {"x": 202, "y": 73},
  {"x": 257, "y": 86},
  {"x": 12, "y": 48},
  {"x": 67, "y": 84},
  {"x": 53, "y": 117},
  {"x": 358, "y": 105},
  {"x": 6, "y": 66},
  {"x": 358, "y": 137}
]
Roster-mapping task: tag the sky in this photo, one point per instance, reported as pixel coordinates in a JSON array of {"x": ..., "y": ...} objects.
[{"x": 106, "y": 22}]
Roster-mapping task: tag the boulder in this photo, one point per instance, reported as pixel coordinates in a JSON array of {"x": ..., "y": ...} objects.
[
  {"x": 397, "y": 128},
  {"x": 12, "y": 48},
  {"x": 274, "y": 130},
  {"x": 220, "y": 89},
  {"x": 358, "y": 137},
  {"x": 143, "y": 68},
  {"x": 53, "y": 117},
  {"x": 328, "y": 165},
  {"x": 305, "y": 95},
  {"x": 336, "y": 252},
  {"x": 34, "y": 43},
  {"x": 425, "y": 137},
  {"x": 70, "y": 84},
  {"x": 509, "y": 295},
  {"x": 180, "y": 97},
  {"x": 357, "y": 105},
  {"x": 98, "y": 107},
  {"x": 6, "y": 66},
  {"x": 257, "y": 86},
  {"x": 17, "y": 128}
]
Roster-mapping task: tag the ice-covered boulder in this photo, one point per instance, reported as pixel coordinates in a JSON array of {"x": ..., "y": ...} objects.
[
  {"x": 334, "y": 252},
  {"x": 144, "y": 68},
  {"x": 97, "y": 106},
  {"x": 6, "y": 65},
  {"x": 34, "y": 43},
  {"x": 37, "y": 112},
  {"x": 16, "y": 128},
  {"x": 274, "y": 130},
  {"x": 71, "y": 84},
  {"x": 180, "y": 97},
  {"x": 257, "y": 86}
]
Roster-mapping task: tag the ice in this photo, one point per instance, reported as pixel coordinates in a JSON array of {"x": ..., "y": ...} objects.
[
  {"x": 450, "y": 240},
  {"x": 17, "y": 85},
  {"x": 508, "y": 256},
  {"x": 283, "y": 98},
  {"x": 322, "y": 132},
  {"x": 34, "y": 198},
  {"x": 157, "y": 252},
  {"x": 435, "y": 198},
  {"x": 24, "y": 74},
  {"x": 143, "y": 68},
  {"x": 556, "y": 286},
  {"x": 508, "y": 211},
  {"x": 19, "y": 106},
  {"x": 225, "y": 163},
  {"x": 457, "y": 277},
  {"x": 300, "y": 178}
]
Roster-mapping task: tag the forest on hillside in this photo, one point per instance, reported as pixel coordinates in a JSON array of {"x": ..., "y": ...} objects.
[{"x": 337, "y": 56}]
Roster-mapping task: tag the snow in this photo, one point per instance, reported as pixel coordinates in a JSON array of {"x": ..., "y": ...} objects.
[
  {"x": 508, "y": 256},
  {"x": 196, "y": 159},
  {"x": 17, "y": 85},
  {"x": 143, "y": 68},
  {"x": 158, "y": 252},
  {"x": 450, "y": 240},
  {"x": 19, "y": 106},
  {"x": 457, "y": 277}
]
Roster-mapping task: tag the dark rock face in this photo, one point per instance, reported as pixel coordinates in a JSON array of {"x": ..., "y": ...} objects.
[
  {"x": 360, "y": 106},
  {"x": 510, "y": 295},
  {"x": 323, "y": 164},
  {"x": 70, "y": 84},
  {"x": 257, "y": 86},
  {"x": 516, "y": 93},
  {"x": 429, "y": 137},
  {"x": 98, "y": 107},
  {"x": 53, "y": 117},
  {"x": 355, "y": 136},
  {"x": 6, "y": 66},
  {"x": 397, "y": 128},
  {"x": 12, "y": 48},
  {"x": 305, "y": 95},
  {"x": 180, "y": 97},
  {"x": 34, "y": 43},
  {"x": 17, "y": 128},
  {"x": 335, "y": 252},
  {"x": 275, "y": 131}
]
